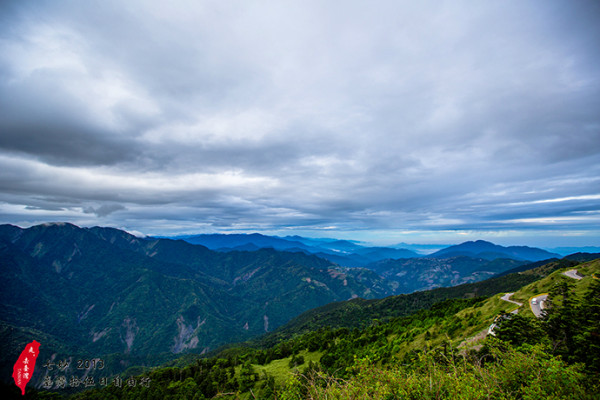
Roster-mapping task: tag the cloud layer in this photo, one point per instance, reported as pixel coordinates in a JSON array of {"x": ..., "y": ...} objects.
[{"x": 382, "y": 116}]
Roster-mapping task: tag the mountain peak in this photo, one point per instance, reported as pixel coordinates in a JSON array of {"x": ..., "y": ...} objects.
[{"x": 491, "y": 251}]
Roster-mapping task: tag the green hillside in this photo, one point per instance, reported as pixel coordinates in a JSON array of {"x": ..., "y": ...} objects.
[{"x": 439, "y": 352}]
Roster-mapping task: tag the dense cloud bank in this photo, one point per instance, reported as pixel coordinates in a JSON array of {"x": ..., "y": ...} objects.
[{"x": 214, "y": 116}]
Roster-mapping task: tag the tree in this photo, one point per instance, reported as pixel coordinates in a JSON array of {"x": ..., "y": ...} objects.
[
  {"x": 519, "y": 330},
  {"x": 561, "y": 319},
  {"x": 587, "y": 339}
]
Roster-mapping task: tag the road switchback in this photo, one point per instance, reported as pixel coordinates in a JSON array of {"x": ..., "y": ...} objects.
[{"x": 537, "y": 304}]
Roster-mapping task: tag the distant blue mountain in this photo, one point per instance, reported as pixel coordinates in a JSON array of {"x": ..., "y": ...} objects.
[
  {"x": 343, "y": 252},
  {"x": 491, "y": 251},
  {"x": 352, "y": 254},
  {"x": 333, "y": 245},
  {"x": 218, "y": 241}
]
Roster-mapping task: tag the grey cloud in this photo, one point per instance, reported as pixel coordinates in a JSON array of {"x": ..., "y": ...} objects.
[
  {"x": 104, "y": 210},
  {"x": 39, "y": 119},
  {"x": 389, "y": 115},
  {"x": 45, "y": 208}
]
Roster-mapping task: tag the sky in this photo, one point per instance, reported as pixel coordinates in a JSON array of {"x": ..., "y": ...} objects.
[{"x": 381, "y": 121}]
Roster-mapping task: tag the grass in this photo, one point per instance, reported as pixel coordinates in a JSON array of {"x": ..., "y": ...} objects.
[
  {"x": 280, "y": 370},
  {"x": 591, "y": 271},
  {"x": 473, "y": 320}
]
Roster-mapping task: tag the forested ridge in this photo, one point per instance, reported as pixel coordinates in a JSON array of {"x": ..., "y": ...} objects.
[{"x": 419, "y": 356}]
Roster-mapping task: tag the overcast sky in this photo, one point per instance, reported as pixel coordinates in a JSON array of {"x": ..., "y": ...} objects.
[{"x": 383, "y": 121}]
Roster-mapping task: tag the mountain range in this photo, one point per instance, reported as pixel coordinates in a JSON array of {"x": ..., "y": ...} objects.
[
  {"x": 103, "y": 291},
  {"x": 343, "y": 252},
  {"x": 352, "y": 254}
]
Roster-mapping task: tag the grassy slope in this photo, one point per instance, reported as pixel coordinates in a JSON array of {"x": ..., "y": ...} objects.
[
  {"x": 587, "y": 269},
  {"x": 495, "y": 305},
  {"x": 280, "y": 370},
  {"x": 476, "y": 319}
]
